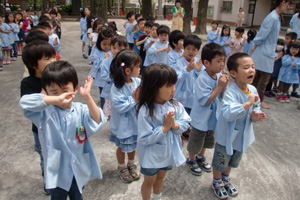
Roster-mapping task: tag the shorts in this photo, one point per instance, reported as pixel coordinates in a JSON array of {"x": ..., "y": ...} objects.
[
  {"x": 221, "y": 160},
  {"x": 199, "y": 139},
  {"x": 154, "y": 171}
]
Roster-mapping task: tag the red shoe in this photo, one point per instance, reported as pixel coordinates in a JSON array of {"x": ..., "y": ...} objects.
[{"x": 281, "y": 99}]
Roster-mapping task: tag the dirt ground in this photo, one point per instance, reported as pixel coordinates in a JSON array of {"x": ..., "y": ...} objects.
[{"x": 268, "y": 171}]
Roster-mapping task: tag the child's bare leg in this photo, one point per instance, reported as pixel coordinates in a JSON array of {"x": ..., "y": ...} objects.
[
  {"x": 159, "y": 182},
  {"x": 131, "y": 155},
  {"x": 202, "y": 152},
  {"x": 147, "y": 185},
  {"x": 217, "y": 174},
  {"x": 227, "y": 172},
  {"x": 120, "y": 156},
  {"x": 192, "y": 156}
]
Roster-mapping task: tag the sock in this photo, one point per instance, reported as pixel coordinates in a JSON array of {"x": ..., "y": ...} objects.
[
  {"x": 217, "y": 180},
  {"x": 122, "y": 165},
  {"x": 199, "y": 157},
  {"x": 130, "y": 162},
  {"x": 225, "y": 177},
  {"x": 156, "y": 196}
]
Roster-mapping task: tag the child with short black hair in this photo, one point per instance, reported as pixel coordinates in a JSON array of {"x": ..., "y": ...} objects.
[
  {"x": 176, "y": 39},
  {"x": 124, "y": 70},
  {"x": 129, "y": 26},
  {"x": 150, "y": 41},
  {"x": 187, "y": 68},
  {"x": 70, "y": 162},
  {"x": 56, "y": 23},
  {"x": 161, "y": 119},
  {"x": 249, "y": 44},
  {"x": 234, "y": 130},
  {"x": 10, "y": 20},
  {"x": 36, "y": 55},
  {"x": 161, "y": 47},
  {"x": 289, "y": 72},
  {"x": 117, "y": 44},
  {"x": 209, "y": 88},
  {"x": 140, "y": 32},
  {"x": 213, "y": 34},
  {"x": 237, "y": 43}
]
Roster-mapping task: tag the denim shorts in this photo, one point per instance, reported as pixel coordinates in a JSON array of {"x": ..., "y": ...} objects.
[
  {"x": 154, "y": 171},
  {"x": 222, "y": 160}
]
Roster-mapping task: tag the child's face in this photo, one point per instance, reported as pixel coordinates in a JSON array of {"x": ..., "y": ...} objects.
[
  {"x": 165, "y": 93},
  {"x": 163, "y": 37},
  {"x": 87, "y": 12},
  {"x": 133, "y": 72},
  {"x": 179, "y": 44},
  {"x": 238, "y": 34},
  {"x": 131, "y": 19},
  {"x": 287, "y": 40},
  {"x": 105, "y": 44},
  {"x": 115, "y": 49},
  {"x": 52, "y": 16},
  {"x": 19, "y": 17},
  {"x": 178, "y": 4},
  {"x": 142, "y": 25},
  {"x": 190, "y": 51},
  {"x": 226, "y": 31},
  {"x": 10, "y": 18},
  {"x": 294, "y": 51},
  {"x": 56, "y": 90},
  {"x": 147, "y": 30},
  {"x": 153, "y": 31},
  {"x": 1, "y": 20},
  {"x": 42, "y": 64},
  {"x": 216, "y": 65},
  {"x": 214, "y": 26},
  {"x": 245, "y": 72}
]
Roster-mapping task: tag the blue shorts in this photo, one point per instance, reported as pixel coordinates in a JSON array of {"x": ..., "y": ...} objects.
[
  {"x": 222, "y": 160},
  {"x": 154, "y": 171}
]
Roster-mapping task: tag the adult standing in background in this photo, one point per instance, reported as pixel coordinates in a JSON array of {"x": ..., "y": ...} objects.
[
  {"x": 178, "y": 14},
  {"x": 265, "y": 45},
  {"x": 240, "y": 17},
  {"x": 295, "y": 24}
]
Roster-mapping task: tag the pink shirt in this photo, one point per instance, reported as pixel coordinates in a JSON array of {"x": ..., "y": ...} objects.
[{"x": 238, "y": 45}]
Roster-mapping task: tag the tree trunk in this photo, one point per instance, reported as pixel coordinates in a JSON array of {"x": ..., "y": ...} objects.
[
  {"x": 146, "y": 8},
  {"x": 123, "y": 6},
  {"x": 99, "y": 9},
  {"x": 187, "y": 5},
  {"x": 201, "y": 17}
]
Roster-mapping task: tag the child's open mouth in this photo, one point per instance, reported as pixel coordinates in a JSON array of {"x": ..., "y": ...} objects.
[{"x": 250, "y": 77}]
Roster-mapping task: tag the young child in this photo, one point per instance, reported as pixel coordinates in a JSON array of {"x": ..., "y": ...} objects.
[
  {"x": 237, "y": 43},
  {"x": 142, "y": 40},
  {"x": 161, "y": 119},
  {"x": 21, "y": 34},
  {"x": 5, "y": 41},
  {"x": 99, "y": 52},
  {"x": 124, "y": 71},
  {"x": 36, "y": 55},
  {"x": 187, "y": 68},
  {"x": 277, "y": 65},
  {"x": 225, "y": 39},
  {"x": 288, "y": 73},
  {"x": 209, "y": 87},
  {"x": 117, "y": 44},
  {"x": 160, "y": 48},
  {"x": 176, "y": 42},
  {"x": 14, "y": 30},
  {"x": 150, "y": 41},
  {"x": 56, "y": 23},
  {"x": 98, "y": 23},
  {"x": 249, "y": 44},
  {"x": 83, "y": 31},
  {"x": 213, "y": 34},
  {"x": 70, "y": 162},
  {"x": 129, "y": 26},
  {"x": 234, "y": 131},
  {"x": 140, "y": 32},
  {"x": 54, "y": 41}
]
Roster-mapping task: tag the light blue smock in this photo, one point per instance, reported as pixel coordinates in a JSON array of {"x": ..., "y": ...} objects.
[
  {"x": 248, "y": 47},
  {"x": 156, "y": 149},
  {"x": 149, "y": 59},
  {"x": 105, "y": 76},
  {"x": 266, "y": 41},
  {"x": 83, "y": 29},
  {"x": 173, "y": 57},
  {"x": 64, "y": 157},
  {"x": 161, "y": 57},
  {"x": 288, "y": 73},
  {"x": 212, "y": 36},
  {"x": 204, "y": 117},
  {"x": 6, "y": 40},
  {"x": 295, "y": 24},
  {"x": 185, "y": 85},
  {"x": 14, "y": 33},
  {"x": 222, "y": 40},
  {"x": 123, "y": 121},
  {"x": 234, "y": 128},
  {"x": 129, "y": 34}
]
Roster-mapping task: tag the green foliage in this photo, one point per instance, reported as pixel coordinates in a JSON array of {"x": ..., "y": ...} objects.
[{"x": 67, "y": 8}]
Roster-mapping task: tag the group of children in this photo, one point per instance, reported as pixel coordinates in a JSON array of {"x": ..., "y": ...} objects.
[
  {"x": 286, "y": 71},
  {"x": 177, "y": 92},
  {"x": 14, "y": 27}
]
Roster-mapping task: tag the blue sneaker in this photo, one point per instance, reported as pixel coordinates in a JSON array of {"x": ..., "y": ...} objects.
[
  {"x": 201, "y": 161},
  {"x": 231, "y": 190},
  {"x": 193, "y": 167},
  {"x": 219, "y": 190}
]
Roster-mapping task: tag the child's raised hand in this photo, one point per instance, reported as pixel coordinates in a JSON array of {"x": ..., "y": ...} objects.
[
  {"x": 168, "y": 48},
  {"x": 294, "y": 64},
  {"x": 218, "y": 31},
  {"x": 252, "y": 98},
  {"x": 223, "y": 80},
  {"x": 107, "y": 55},
  {"x": 257, "y": 116},
  {"x": 64, "y": 100},
  {"x": 85, "y": 91},
  {"x": 293, "y": 57},
  {"x": 198, "y": 65},
  {"x": 191, "y": 66},
  {"x": 136, "y": 93},
  {"x": 169, "y": 122}
]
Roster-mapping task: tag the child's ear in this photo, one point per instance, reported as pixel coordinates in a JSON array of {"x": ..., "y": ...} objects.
[
  {"x": 76, "y": 88},
  {"x": 233, "y": 73},
  {"x": 127, "y": 71},
  {"x": 206, "y": 63}
]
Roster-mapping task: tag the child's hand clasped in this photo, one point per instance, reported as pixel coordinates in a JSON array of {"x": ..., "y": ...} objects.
[
  {"x": 257, "y": 116},
  {"x": 169, "y": 122},
  {"x": 223, "y": 80}
]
